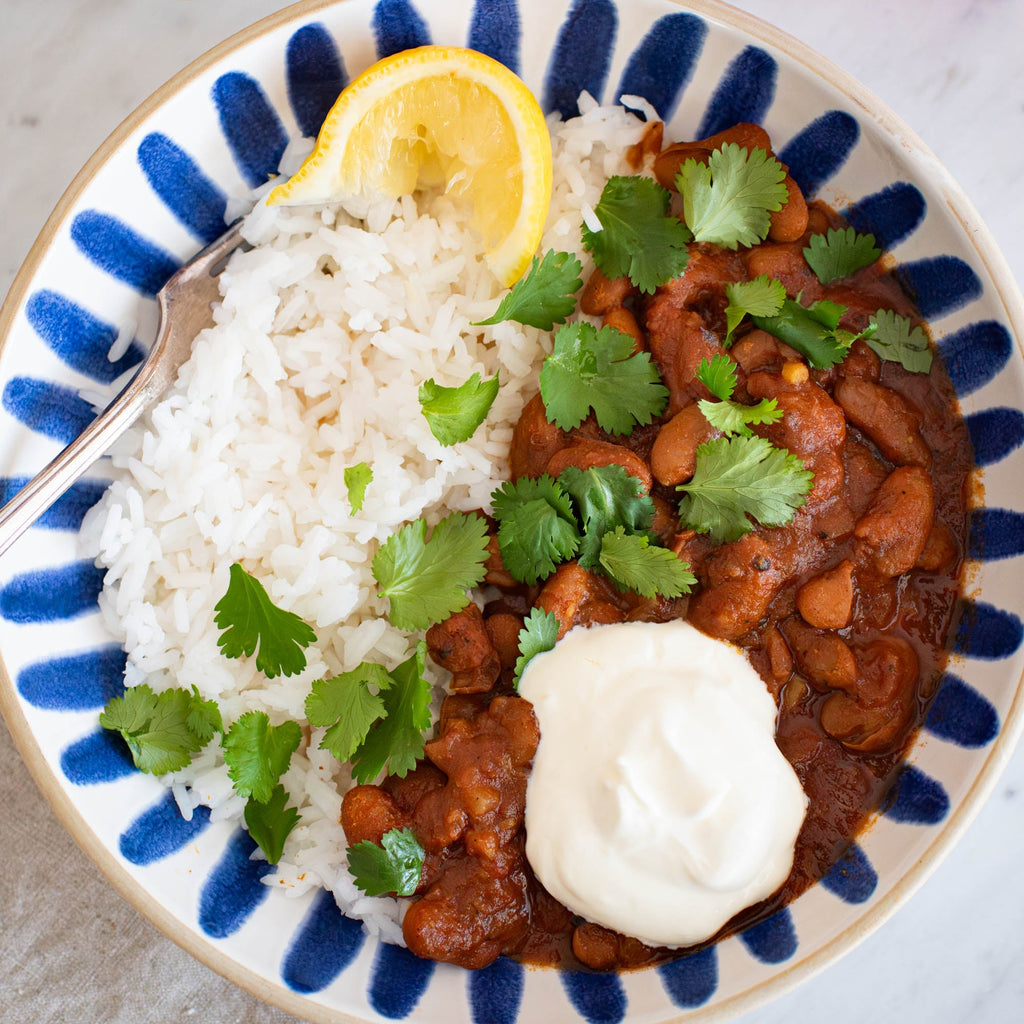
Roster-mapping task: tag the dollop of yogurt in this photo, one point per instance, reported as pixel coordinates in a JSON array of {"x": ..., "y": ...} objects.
[{"x": 659, "y": 804}]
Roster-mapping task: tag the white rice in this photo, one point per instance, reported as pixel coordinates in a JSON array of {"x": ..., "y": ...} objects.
[{"x": 324, "y": 335}]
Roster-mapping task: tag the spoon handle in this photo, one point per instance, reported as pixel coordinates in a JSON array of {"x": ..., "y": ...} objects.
[{"x": 184, "y": 307}]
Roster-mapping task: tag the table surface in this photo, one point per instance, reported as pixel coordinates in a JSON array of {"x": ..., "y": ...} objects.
[{"x": 71, "y": 950}]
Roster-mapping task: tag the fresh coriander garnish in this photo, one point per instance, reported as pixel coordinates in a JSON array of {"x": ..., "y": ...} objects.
[
  {"x": 606, "y": 497},
  {"x": 257, "y": 753},
  {"x": 536, "y": 526},
  {"x": 453, "y": 414},
  {"x": 639, "y": 238},
  {"x": 635, "y": 564},
  {"x": 539, "y": 633},
  {"x": 719, "y": 377},
  {"x": 426, "y": 580},
  {"x": 813, "y": 331},
  {"x": 271, "y": 822},
  {"x": 345, "y": 705},
  {"x": 737, "y": 477},
  {"x": 163, "y": 730},
  {"x": 597, "y": 369},
  {"x": 840, "y": 252},
  {"x": 760, "y": 297},
  {"x": 545, "y": 296},
  {"x": 894, "y": 338},
  {"x": 396, "y": 740},
  {"x": 729, "y": 201},
  {"x": 250, "y": 619},
  {"x": 357, "y": 479},
  {"x": 394, "y": 866}
]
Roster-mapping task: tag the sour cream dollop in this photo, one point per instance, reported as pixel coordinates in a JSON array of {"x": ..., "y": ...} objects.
[{"x": 659, "y": 804}]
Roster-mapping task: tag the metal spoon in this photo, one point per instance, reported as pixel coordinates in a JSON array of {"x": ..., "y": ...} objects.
[{"x": 184, "y": 304}]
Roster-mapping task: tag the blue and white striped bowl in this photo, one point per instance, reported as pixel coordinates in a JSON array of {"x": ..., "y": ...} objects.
[{"x": 156, "y": 192}]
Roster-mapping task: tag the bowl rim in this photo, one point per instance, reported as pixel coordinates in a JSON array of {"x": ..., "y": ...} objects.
[{"x": 204, "y": 950}]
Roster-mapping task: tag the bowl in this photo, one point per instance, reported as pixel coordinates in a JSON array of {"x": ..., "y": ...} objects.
[{"x": 142, "y": 205}]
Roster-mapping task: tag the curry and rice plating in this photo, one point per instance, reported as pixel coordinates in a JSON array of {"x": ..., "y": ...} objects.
[{"x": 721, "y": 555}]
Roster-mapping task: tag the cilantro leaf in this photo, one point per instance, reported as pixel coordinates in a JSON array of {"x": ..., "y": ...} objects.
[
  {"x": 396, "y": 740},
  {"x": 894, "y": 338},
  {"x": 718, "y": 375},
  {"x": 729, "y": 201},
  {"x": 597, "y": 369},
  {"x": 545, "y": 296},
  {"x": 250, "y": 619},
  {"x": 840, "y": 253},
  {"x": 346, "y": 707},
  {"x": 357, "y": 479},
  {"x": 635, "y": 564},
  {"x": 733, "y": 417},
  {"x": 813, "y": 331},
  {"x": 737, "y": 477},
  {"x": 762, "y": 296},
  {"x": 453, "y": 414},
  {"x": 394, "y": 866},
  {"x": 606, "y": 497},
  {"x": 426, "y": 580},
  {"x": 536, "y": 526},
  {"x": 163, "y": 730},
  {"x": 639, "y": 238},
  {"x": 271, "y": 822},
  {"x": 257, "y": 753},
  {"x": 539, "y": 633}
]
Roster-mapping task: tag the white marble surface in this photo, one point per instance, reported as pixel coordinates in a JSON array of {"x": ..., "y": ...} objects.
[{"x": 70, "y": 949}]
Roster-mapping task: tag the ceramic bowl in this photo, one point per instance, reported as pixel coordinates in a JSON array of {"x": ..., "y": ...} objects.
[{"x": 156, "y": 192}]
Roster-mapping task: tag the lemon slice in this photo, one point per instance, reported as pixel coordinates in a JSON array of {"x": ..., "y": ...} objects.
[{"x": 439, "y": 116}]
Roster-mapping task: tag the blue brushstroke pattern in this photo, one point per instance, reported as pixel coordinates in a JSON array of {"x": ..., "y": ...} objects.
[
  {"x": 233, "y": 889},
  {"x": 77, "y": 337},
  {"x": 987, "y": 632},
  {"x": 496, "y": 30},
  {"x": 662, "y": 65},
  {"x": 890, "y": 215},
  {"x": 47, "y": 408},
  {"x": 398, "y": 979},
  {"x": 772, "y": 940},
  {"x": 939, "y": 284},
  {"x": 195, "y": 200},
  {"x": 253, "y": 131},
  {"x": 161, "y": 831},
  {"x": 852, "y": 878},
  {"x": 397, "y": 26},
  {"x": 323, "y": 946},
  {"x": 691, "y": 980},
  {"x": 976, "y": 354},
  {"x": 996, "y": 533},
  {"x": 495, "y": 992},
  {"x": 581, "y": 56},
  {"x": 316, "y": 75},
  {"x": 745, "y": 92},
  {"x": 961, "y": 715},
  {"x": 101, "y": 756},
  {"x": 52, "y": 594},
  {"x": 916, "y": 799},
  {"x": 598, "y": 998},
  {"x": 76, "y": 682},
  {"x": 816, "y": 153},
  {"x": 68, "y": 511},
  {"x": 995, "y": 433},
  {"x": 122, "y": 252}
]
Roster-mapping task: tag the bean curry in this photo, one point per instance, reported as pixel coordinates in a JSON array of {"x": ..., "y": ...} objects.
[{"x": 844, "y": 612}]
